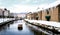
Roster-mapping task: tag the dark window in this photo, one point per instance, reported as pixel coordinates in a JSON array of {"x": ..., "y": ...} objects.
[
  {"x": 47, "y": 11},
  {"x": 5, "y": 9},
  {"x": 49, "y": 8}
]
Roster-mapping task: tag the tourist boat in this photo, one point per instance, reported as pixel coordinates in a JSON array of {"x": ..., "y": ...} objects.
[{"x": 20, "y": 27}]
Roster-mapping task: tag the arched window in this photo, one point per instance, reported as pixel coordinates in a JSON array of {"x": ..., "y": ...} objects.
[
  {"x": 49, "y": 8},
  {"x": 5, "y": 9},
  {"x": 47, "y": 11}
]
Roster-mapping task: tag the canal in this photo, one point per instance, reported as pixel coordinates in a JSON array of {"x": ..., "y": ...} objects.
[{"x": 12, "y": 29}]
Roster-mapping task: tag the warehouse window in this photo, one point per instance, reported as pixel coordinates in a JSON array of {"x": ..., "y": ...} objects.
[
  {"x": 47, "y": 11},
  {"x": 49, "y": 8}
]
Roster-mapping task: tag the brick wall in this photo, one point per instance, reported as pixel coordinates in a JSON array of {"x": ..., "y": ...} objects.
[
  {"x": 54, "y": 12},
  {"x": 40, "y": 15},
  {"x": 43, "y": 14}
]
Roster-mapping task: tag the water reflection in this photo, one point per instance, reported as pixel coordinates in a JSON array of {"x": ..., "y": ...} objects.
[
  {"x": 12, "y": 29},
  {"x": 40, "y": 31},
  {"x": 4, "y": 27},
  {"x": 36, "y": 31}
]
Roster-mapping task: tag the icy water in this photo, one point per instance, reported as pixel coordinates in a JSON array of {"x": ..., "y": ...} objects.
[{"x": 12, "y": 29}]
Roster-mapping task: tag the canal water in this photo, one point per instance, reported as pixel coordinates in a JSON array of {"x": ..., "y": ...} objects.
[{"x": 12, "y": 29}]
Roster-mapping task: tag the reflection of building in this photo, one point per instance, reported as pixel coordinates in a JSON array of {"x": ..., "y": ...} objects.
[{"x": 53, "y": 12}]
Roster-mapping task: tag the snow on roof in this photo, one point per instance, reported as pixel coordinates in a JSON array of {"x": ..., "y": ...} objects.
[
  {"x": 46, "y": 6},
  {"x": 54, "y": 4}
]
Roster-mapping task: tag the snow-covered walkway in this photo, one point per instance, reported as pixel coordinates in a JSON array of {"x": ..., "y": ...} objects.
[
  {"x": 50, "y": 23},
  {"x": 5, "y": 19}
]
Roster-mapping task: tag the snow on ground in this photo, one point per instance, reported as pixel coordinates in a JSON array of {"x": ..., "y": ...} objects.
[
  {"x": 50, "y": 23},
  {"x": 5, "y": 19}
]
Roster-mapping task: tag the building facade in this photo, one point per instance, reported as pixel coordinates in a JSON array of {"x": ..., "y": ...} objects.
[
  {"x": 53, "y": 12},
  {"x": 50, "y": 14},
  {"x": 4, "y": 13},
  {"x": 28, "y": 16},
  {"x": 1, "y": 13}
]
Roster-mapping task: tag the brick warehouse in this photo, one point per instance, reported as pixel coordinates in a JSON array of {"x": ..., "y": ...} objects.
[{"x": 53, "y": 12}]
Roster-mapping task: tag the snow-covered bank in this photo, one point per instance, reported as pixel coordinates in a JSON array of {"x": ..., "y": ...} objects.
[
  {"x": 55, "y": 24},
  {"x": 6, "y": 19},
  {"x": 48, "y": 24}
]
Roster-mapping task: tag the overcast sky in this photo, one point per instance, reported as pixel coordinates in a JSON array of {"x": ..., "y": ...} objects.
[{"x": 20, "y": 6}]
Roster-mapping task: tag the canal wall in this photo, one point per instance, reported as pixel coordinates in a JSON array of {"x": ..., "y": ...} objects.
[{"x": 52, "y": 26}]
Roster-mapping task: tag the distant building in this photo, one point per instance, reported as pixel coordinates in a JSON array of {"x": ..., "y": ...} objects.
[
  {"x": 11, "y": 15},
  {"x": 28, "y": 16},
  {"x": 1, "y": 12},
  {"x": 6, "y": 12}
]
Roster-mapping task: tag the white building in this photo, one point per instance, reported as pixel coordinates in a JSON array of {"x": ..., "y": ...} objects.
[{"x": 6, "y": 12}]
